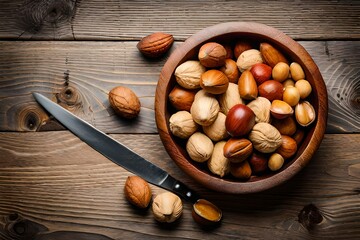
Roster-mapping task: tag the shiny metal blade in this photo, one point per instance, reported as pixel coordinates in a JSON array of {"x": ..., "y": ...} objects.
[{"x": 106, "y": 145}]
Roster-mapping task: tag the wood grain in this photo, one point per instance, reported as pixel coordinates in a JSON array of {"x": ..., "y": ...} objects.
[
  {"x": 129, "y": 20},
  {"x": 79, "y": 75},
  {"x": 58, "y": 185}
]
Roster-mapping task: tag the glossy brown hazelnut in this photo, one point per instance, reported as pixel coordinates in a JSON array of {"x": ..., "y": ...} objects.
[
  {"x": 240, "y": 47},
  {"x": 181, "y": 98},
  {"x": 261, "y": 72},
  {"x": 239, "y": 120},
  {"x": 288, "y": 147},
  {"x": 212, "y": 54},
  {"x": 271, "y": 90},
  {"x": 258, "y": 163},
  {"x": 237, "y": 149},
  {"x": 247, "y": 86},
  {"x": 231, "y": 70},
  {"x": 286, "y": 126},
  {"x": 241, "y": 170}
]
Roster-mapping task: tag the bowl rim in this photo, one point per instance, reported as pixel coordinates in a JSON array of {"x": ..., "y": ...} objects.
[{"x": 251, "y": 29}]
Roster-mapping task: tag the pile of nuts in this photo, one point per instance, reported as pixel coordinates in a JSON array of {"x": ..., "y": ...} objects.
[{"x": 241, "y": 109}]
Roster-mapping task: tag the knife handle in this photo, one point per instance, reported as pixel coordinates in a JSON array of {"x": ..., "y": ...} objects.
[{"x": 180, "y": 188}]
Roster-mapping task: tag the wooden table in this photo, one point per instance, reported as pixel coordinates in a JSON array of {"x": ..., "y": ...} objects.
[{"x": 54, "y": 186}]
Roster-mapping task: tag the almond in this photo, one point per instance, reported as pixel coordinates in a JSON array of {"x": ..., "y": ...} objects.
[
  {"x": 237, "y": 150},
  {"x": 271, "y": 55},
  {"x": 155, "y": 45}
]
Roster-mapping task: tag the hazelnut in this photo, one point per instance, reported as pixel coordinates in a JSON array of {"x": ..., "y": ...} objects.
[
  {"x": 124, "y": 102},
  {"x": 188, "y": 74},
  {"x": 167, "y": 207},
  {"x": 199, "y": 147},
  {"x": 229, "y": 51},
  {"x": 231, "y": 70},
  {"x": 298, "y": 136},
  {"x": 247, "y": 86},
  {"x": 296, "y": 71},
  {"x": 240, "y": 47},
  {"x": 241, "y": 170},
  {"x": 204, "y": 109},
  {"x": 214, "y": 81},
  {"x": 248, "y": 58},
  {"x": 288, "y": 82},
  {"x": 304, "y": 113},
  {"x": 261, "y": 72},
  {"x": 288, "y": 147},
  {"x": 272, "y": 90},
  {"x": 239, "y": 120},
  {"x": 261, "y": 107},
  {"x": 212, "y": 54},
  {"x": 258, "y": 163},
  {"x": 280, "y": 109},
  {"x": 181, "y": 99},
  {"x": 304, "y": 88},
  {"x": 230, "y": 98},
  {"x": 291, "y": 95},
  {"x": 137, "y": 191},
  {"x": 280, "y": 72},
  {"x": 182, "y": 124},
  {"x": 275, "y": 162},
  {"x": 237, "y": 150},
  {"x": 265, "y": 137},
  {"x": 286, "y": 126},
  {"x": 217, "y": 131},
  {"x": 218, "y": 164}
]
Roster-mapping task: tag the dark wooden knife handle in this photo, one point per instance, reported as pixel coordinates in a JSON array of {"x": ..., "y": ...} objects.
[{"x": 180, "y": 189}]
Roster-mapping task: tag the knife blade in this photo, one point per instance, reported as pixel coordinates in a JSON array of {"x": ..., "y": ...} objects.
[{"x": 116, "y": 151}]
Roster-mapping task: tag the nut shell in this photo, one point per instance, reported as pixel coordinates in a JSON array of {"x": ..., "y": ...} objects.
[
  {"x": 239, "y": 120},
  {"x": 231, "y": 70},
  {"x": 271, "y": 90},
  {"x": 155, "y": 45},
  {"x": 286, "y": 126},
  {"x": 214, "y": 81},
  {"x": 167, "y": 207},
  {"x": 237, "y": 150},
  {"x": 181, "y": 99},
  {"x": 182, "y": 124},
  {"x": 137, "y": 191},
  {"x": 218, "y": 164},
  {"x": 261, "y": 107},
  {"x": 204, "y": 109},
  {"x": 199, "y": 147},
  {"x": 188, "y": 74},
  {"x": 265, "y": 137},
  {"x": 248, "y": 58},
  {"x": 288, "y": 147},
  {"x": 247, "y": 86},
  {"x": 304, "y": 113},
  {"x": 124, "y": 102},
  {"x": 217, "y": 131},
  {"x": 271, "y": 55},
  {"x": 280, "y": 109},
  {"x": 205, "y": 213},
  {"x": 241, "y": 170},
  {"x": 230, "y": 98},
  {"x": 212, "y": 54}
]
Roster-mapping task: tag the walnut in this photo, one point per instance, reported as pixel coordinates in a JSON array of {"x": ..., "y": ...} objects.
[
  {"x": 265, "y": 137},
  {"x": 188, "y": 74},
  {"x": 199, "y": 147},
  {"x": 230, "y": 98},
  {"x": 217, "y": 130},
  {"x": 182, "y": 124},
  {"x": 205, "y": 108},
  {"x": 261, "y": 108},
  {"x": 167, "y": 207},
  {"x": 218, "y": 163}
]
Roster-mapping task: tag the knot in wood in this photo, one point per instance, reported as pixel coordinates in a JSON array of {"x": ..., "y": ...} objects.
[
  {"x": 28, "y": 117},
  {"x": 69, "y": 96},
  {"x": 310, "y": 216},
  {"x": 35, "y": 13}
]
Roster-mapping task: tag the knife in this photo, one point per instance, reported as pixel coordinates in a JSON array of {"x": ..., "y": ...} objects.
[{"x": 120, "y": 154}]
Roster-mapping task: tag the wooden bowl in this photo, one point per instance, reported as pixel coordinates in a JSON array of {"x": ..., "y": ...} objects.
[{"x": 256, "y": 33}]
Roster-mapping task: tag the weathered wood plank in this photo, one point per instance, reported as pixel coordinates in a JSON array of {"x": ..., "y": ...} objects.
[
  {"x": 65, "y": 189},
  {"x": 128, "y": 20},
  {"x": 79, "y": 75}
]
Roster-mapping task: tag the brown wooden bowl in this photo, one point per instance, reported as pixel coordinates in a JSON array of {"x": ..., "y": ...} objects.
[{"x": 256, "y": 33}]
